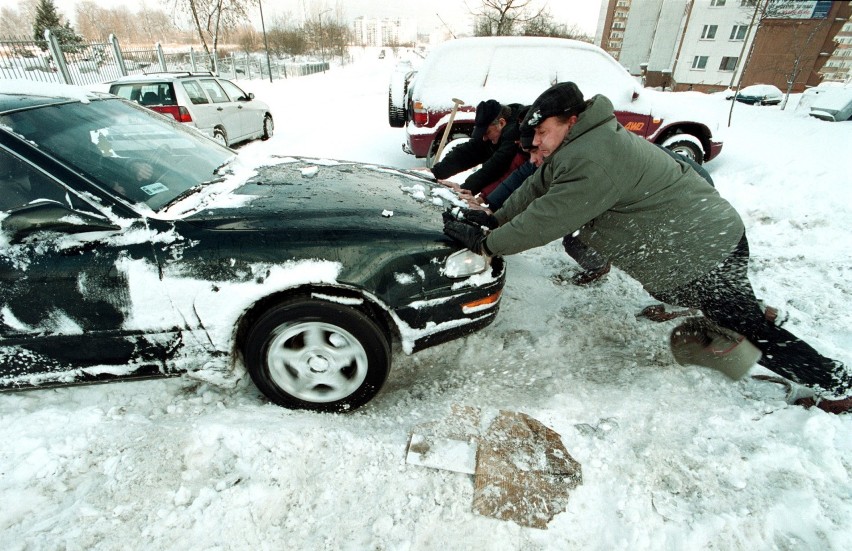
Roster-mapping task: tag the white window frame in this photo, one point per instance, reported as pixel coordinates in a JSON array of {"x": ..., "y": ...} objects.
[
  {"x": 722, "y": 64},
  {"x": 735, "y": 33},
  {"x": 709, "y": 32},
  {"x": 699, "y": 62}
]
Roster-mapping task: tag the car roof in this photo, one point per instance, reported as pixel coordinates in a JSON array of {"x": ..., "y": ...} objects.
[
  {"x": 151, "y": 77},
  {"x": 22, "y": 94},
  {"x": 516, "y": 70}
]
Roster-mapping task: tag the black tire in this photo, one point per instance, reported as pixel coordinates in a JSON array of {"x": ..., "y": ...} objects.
[
  {"x": 396, "y": 115},
  {"x": 268, "y": 128},
  {"x": 687, "y": 149},
  {"x": 220, "y": 136},
  {"x": 318, "y": 356}
]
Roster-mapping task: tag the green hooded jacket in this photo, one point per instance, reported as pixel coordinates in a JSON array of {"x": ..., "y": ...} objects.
[{"x": 651, "y": 215}]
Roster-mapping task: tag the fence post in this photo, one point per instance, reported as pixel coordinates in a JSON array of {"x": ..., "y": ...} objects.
[
  {"x": 116, "y": 54},
  {"x": 162, "y": 58},
  {"x": 192, "y": 59},
  {"x": 58, "y": 56},
  {"x": 216, "y": 62}
]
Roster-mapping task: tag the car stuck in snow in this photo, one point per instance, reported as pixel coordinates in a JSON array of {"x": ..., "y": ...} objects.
[{"x": 133, "y": 247}]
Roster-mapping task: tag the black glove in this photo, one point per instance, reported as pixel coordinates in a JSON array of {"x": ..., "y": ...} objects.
[
  {"x": 471, "y": 237},
  {"x": 480, "y": 218},
  {"x": 470, "y": 216}
]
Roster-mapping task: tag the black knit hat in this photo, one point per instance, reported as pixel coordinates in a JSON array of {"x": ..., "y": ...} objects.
[
  {"x": 527, "y": 133},
  {"x": 563, "y": 98},
  {"x": 486, "y": 113}
]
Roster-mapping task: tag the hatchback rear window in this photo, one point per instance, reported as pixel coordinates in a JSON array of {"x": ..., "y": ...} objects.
[{"x": 149, "y": 93}]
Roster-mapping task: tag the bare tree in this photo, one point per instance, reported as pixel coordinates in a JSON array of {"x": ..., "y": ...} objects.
[
  {"x": 12, "y": 21},
  {"x": 212, "y": 18},
  {"x": 505, "y": 17}
]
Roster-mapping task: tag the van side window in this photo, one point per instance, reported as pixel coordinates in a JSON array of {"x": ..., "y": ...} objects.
[{"x": 195, "y": 92}]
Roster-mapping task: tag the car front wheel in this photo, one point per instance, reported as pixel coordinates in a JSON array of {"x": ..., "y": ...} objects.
[
  {"x": 268, "y": 127},
  {"x": 318, "y": 356}
]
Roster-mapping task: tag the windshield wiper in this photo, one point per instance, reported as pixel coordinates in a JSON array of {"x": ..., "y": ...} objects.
[{"x": 191, "y": 191}]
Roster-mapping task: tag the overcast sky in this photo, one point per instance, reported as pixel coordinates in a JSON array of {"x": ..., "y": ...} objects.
[{"x": 583, "y": 13}]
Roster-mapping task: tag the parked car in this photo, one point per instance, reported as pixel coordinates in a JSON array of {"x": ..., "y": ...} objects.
[
  {"x": 517, "y": 70},
  {"x": 759, "y": 94},
  {"x": 216, "y": 106},
  {"x": 108, "y": 271},
  {"x": 833, "y": 104}
]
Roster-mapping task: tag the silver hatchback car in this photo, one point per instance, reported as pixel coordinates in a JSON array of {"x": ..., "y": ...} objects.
[{"x": 216, "y": 106}]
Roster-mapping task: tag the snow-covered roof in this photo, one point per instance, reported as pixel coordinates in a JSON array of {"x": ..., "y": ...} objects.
[{"x": 46, "y": 89}]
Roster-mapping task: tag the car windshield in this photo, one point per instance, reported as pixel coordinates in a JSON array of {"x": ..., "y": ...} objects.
[{"x": 141, "y": 156}]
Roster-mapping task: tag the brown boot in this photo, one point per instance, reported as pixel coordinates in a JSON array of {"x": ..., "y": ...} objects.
[
  {"x": 588, "y": 276},
  {"x": 836, "y": 407}
]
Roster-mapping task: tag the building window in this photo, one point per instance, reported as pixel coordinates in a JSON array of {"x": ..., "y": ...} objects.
[
  {"x": 738, "y": 32},
  {"x": 728, "y": 64},
  {"x": 618, "y": 25},
  {"x": 717, "y": 3},
  {"x": 748, "y": 3},
  {"x": 699, "y": 62},
  {"x": 709, "y": 32}
]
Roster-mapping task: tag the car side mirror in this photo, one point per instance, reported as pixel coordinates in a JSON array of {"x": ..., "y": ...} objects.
[
  {"x": 48, "y": 215},
  {"x": 635, "y": 95},
  {"x": 251, "y": 95}
]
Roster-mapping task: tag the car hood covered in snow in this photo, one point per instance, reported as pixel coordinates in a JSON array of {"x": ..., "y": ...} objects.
[{"x": 327, "y": 196}]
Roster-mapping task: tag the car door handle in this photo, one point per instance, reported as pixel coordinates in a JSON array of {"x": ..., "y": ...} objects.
[
  {"x": 219, "y": 109},
  {"x": 239, "y": 106}
]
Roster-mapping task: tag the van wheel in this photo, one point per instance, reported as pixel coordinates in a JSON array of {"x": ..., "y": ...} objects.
[
  {"x": 220, "y": 136},
  {"x": 686, "y": 147},
  {"x": 453, "y": 140}
]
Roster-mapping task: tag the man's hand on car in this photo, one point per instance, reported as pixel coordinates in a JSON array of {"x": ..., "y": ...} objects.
[{"x": 472, "y": 237}]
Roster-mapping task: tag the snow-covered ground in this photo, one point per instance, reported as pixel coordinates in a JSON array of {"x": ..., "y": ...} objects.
[{"x": 673, "y": 457}]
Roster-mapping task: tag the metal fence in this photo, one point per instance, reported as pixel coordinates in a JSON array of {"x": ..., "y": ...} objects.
[{"x": 96, "y": 62}]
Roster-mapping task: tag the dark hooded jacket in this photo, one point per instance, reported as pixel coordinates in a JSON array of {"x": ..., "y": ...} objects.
[
  {"x": 495, "y": 159},
  {"x": 650, "y": 213}
]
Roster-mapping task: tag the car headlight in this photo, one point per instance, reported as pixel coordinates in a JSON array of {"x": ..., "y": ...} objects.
[{"x": 464, "y": 263}]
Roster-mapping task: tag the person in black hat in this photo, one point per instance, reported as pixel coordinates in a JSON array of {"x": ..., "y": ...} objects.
[
  {"x": 661, "y": 223},
  {"x": 493, "y": 145}
]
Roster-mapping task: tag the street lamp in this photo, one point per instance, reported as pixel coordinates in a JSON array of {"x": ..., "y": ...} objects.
[{"x": 265, "y": 43}]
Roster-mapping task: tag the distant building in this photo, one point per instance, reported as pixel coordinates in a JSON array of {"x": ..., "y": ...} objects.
[
  {"x": 385, "y": 32},
  {"x": 838, "y": 67},
  {"x": 710, "y": 45}
]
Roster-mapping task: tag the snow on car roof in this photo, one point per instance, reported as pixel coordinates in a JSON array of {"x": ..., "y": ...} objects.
[
  {"x": 46, "y": 89},
  {"x": 760, "y": 89},
  {"x": 517, "y": 69}
]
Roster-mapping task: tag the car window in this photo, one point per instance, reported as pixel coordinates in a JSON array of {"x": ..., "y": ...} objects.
[
  {"x": 195, "y": 92},
  {"x": 216, "y": 93},
  {"x": 128, "y": 150},
  {"x": 153, "y": 93},
  {"x": 234, "y": 91},
  {"x": 21, "y": 184}
]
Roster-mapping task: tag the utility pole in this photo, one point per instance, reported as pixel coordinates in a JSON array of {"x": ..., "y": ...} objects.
[{"x": 265, "y": 43}]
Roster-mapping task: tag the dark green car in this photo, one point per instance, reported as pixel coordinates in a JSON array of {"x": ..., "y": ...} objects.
[{"x": 132, "y": 246}]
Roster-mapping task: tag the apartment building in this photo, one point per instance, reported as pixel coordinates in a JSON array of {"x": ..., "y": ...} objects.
[
  {"x": 385, "y": 32},
  {"x": 710, "y": 45}
]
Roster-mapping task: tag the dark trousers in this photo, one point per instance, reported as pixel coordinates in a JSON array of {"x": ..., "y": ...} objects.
[
  {"x": 588, "y": 258},
  {"x": 726, "y": 297}
]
